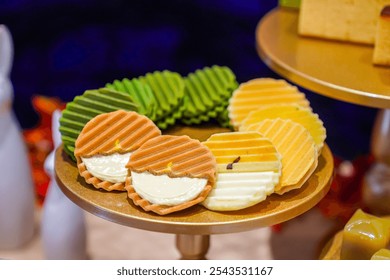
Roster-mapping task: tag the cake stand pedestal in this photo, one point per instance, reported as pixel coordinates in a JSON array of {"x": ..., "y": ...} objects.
[
  {"x": 193, "y": 226},
  {"x": 343, "y": 71}
]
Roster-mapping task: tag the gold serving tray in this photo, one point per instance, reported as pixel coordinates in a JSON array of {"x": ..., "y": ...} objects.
[
  {"x": 340, "y": 70},
  {"x": 116, "y": 207}
]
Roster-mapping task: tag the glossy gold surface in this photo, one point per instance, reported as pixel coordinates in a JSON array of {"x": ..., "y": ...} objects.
[
  {"x": 340, "y": 70},
  {"x": 116, "y": 207}
]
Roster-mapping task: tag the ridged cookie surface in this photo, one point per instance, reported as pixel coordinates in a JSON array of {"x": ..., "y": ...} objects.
[
  {"x": 249, "y": 167},
  {"x": 139, "y": 92},
  {"x": 207, "y": 91},
  {"x": 87, "y": 106},
  {"x": 297, "y": 148},
  {"x": 294, "y": 112},
  {"x": 168, "y": 91},
  {"x": 259, "y": 92},
  {"x": 115, "y": 132},
  {"x": 175, "y": 157}
]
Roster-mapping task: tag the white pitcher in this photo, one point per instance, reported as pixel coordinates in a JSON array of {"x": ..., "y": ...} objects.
[
  {"x": 63, "y": 222},
  {"x": 17, "y": 196}
]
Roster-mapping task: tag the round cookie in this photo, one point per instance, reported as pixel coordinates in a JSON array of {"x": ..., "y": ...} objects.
[
  {"x": 248, "y": 168},
  {"x": 170, "y": 173},
  {"x": 105, "y": 144},
  {"x": 294, "y": 112},
  {"x": 259, "y": 92},
  {"x": 297, "y": 148}
]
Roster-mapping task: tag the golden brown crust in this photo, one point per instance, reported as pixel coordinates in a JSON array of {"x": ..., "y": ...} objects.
[
  {"x": 114, "y": 132},
  {"x": 118, "y": 131},
  {"x": 175, "y": 156}
]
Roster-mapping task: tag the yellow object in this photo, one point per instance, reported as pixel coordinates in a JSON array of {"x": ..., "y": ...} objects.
[
  {"x": 248, "y": 168},
  {"x": 260, "y": 92},
  {"x": 290, "y": 3},
  {"x": 345, "y": 20},
  {"x": 363, "y": 235},
  {"x": 297, "y": 148},
  {"x": 382, "y": 39},
  {"x": 294, "y": 112},
  {"x": 382, "y": 254},
  {"x": 243, "y": 152}
]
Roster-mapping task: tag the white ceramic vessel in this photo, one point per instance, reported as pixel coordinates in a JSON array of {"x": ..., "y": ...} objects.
[
  {"x": 63, "y": 222},
  {"x": 17, "y": 196}
]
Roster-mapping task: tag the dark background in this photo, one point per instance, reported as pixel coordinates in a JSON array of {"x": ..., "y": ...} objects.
[{"x": 64, "y": 47}]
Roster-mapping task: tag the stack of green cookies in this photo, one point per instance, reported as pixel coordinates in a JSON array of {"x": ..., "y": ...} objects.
[
  {"x": 208, "y": 91},
  {"x": 165, "y": 97},
  {"x": 164, "y": 105}
]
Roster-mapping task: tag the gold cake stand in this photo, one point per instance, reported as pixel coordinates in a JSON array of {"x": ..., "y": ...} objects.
[
  {"x": 340, "y": 70},
  {"x": 194, "y": 225}
]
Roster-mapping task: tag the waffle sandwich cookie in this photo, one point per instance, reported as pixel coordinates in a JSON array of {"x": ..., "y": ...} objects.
[
  {"x": 248, "y": 168},
  {"x": 170, "y": 173},
  {"x": 105, "y": 145}
]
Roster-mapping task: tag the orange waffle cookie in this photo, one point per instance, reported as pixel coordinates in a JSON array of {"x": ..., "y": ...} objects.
[
  {"x": 297, "y": 148},
  {"x": 260, "y": 92},
  {"x": 104, "y": 146},
  {"x": 170, "y": 173}
]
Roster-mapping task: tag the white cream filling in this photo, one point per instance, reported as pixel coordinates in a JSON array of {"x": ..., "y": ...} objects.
[
  {"x": 234, "y": 191},
  {"x": 111, "y": 168},
  {"x": 164, "y": 190}
]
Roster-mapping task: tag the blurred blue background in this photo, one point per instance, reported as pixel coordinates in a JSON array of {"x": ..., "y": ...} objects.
[{"x": 64, "y": 47}]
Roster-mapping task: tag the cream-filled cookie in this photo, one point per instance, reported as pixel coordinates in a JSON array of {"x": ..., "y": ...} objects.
[
  {"x": 248, "y": 168},
  {"x": 170, "y": 173},
  {"x": 105, "y": 145}
]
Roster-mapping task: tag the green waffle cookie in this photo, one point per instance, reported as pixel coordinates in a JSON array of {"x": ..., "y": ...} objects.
[
  {"x": 168, "y": 90},
  {"x": 140, "y": 92},
  {"x": 208, "y": 91},
  {"x": 85, "y": 107},
  {"x": 224, "y": 120}
]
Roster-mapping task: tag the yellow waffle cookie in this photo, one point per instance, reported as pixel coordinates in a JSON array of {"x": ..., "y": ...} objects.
[
  {"x": 103, "y": 147},
  {"x": 248, "y": 168},
  {"x": 297, "y": 148},
  {"x": 260, "y": 92},
  {"x": 294, "y": 112}
]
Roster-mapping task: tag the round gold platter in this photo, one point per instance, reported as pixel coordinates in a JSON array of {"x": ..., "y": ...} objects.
[
  {"x": 339, "y": 70},
  {"x": 116, "y": 207}
]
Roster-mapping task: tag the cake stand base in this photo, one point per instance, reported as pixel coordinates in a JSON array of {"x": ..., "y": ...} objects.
[
  {"x": 376, "y": 188},
  {"x": 192, "y": 247}
]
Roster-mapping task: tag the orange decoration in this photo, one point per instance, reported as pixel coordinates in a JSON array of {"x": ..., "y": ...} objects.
[{"x": 39, "y": 141}]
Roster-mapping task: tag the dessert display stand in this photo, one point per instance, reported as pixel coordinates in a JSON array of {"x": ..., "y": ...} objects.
[
  {"x": 340, "y": 70},
  {"x": 193, "y": 226}
]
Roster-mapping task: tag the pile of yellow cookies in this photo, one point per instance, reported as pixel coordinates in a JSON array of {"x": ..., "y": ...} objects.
[{"x": 275, "y": 148}]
